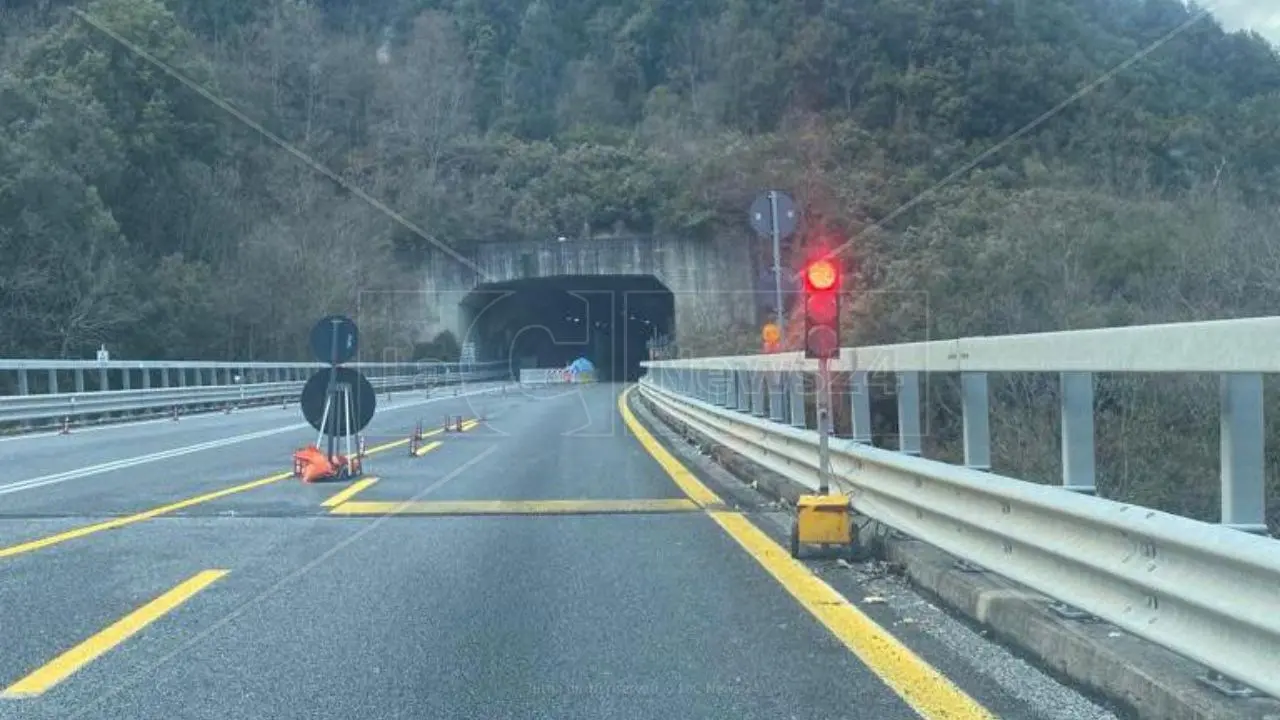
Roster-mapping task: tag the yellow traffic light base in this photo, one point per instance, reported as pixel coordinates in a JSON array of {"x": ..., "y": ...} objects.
[{"x": 824, "y": 520}]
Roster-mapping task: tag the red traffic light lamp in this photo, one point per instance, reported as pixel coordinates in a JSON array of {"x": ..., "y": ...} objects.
[
  {"x": 821, "y": 275},
  {"x": 822, "y": 309}
]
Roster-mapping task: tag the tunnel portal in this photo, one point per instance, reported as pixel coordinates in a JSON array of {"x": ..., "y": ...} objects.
[{"x": 612, "y": 320}]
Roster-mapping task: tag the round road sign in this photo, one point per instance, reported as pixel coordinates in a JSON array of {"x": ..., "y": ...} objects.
[
  {"x": 334, "y": 339},
  {"x": 363, "y": 402},
  {"x": 761, "y": 214}
]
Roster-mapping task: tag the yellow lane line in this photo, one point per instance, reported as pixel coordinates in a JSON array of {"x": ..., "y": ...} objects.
[
  {"x": 468, "y": 424},
  {"x": 427, "y": 448},
  {"x": 114, "y": 523},
  {"x": 120, "y": 522},
  {"x": 514, "y": 507},
  {"x": 690, "y": 484},
  {"x": 385, "y": 446},
  {"x": 350, "y": 492},
  {"x": 930, "y": 693},
  {"x": 63, "y": 666}
]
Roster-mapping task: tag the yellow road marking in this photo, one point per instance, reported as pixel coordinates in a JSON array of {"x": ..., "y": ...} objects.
[
  {"x": 514, "y": 507},
  {"x": 127, "y": 520},
  {"x": 63, "y": 666},
  {"x": 137, "y": 518},
  {"x": 427, "y": 448},
  {"x": 385, "y": 446},
  {"x": 468, "y": 424},
  {"x": 690, "y": 484},
  {"x": 930, "y": 693},
  {"x": 348, "y": 493}
]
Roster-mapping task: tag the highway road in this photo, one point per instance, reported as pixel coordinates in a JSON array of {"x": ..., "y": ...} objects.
[{"x": 553, "y": 560}]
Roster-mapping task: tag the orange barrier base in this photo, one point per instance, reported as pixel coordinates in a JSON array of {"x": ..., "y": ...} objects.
[{"x": 311, "y": 464}]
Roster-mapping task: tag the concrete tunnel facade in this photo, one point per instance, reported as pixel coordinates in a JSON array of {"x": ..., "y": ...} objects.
[{"x": 605, "y": 298}]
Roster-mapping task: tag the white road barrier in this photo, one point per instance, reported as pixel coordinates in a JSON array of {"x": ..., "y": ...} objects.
[{"x": 31, "y": 407}]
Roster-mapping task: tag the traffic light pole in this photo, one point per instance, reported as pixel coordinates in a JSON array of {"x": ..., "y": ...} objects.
[
  {"x": 777, "y": 263},
  {"x": 823, "y": 402}
]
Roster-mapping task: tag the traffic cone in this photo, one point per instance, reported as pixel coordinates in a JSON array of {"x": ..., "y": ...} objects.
[
  {"x": 360, "y": 446},
  {"x": 66, "y": 426}
]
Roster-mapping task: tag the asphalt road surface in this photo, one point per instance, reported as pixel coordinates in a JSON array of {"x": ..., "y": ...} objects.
[{"x": 548, "y": 561}]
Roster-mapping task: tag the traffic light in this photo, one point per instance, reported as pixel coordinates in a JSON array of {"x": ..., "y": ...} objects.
[{"x": 822, "y": 309}]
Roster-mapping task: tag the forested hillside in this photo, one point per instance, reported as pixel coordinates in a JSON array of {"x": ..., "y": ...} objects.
[{"x": 136, "y": 212}]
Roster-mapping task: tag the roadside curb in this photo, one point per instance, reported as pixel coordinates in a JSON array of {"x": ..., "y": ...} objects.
[{"x": 1141, "y": 679}]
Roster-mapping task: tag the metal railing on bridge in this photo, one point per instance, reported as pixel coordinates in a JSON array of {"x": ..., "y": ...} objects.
[
  {"x": 134, "y": 387},
  {"x": 1206, "y": 591}
]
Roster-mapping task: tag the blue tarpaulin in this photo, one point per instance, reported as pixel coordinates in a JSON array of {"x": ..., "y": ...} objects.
[{"x": 581, "y": 365}]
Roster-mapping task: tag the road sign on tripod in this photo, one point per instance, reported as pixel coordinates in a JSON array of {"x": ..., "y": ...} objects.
[{"x": 337, "y": 401}]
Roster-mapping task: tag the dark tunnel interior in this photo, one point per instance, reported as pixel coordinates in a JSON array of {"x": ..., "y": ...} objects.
[{"x": 611, "y": 320}]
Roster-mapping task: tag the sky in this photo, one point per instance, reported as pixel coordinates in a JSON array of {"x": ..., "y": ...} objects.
[{"x": 1262, "y": 16}]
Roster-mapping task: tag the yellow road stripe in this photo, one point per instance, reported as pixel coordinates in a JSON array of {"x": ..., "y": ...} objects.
[
  {"x": 127, "y": 520},
  {"x": 63, "y": 666},
  {"x": 468, "y": 424},
  {"x": 350, "y": 492},
  {"x": 137, "y": 518},
  {"x": 930, "y": 693},
  {"x": 427, "y": 448},
  {"x": 385, "y": 446},
  {"x": 691, "y": 486},
  {"x": 926, "y": 690},
  {"x": 514, "y": 507}
]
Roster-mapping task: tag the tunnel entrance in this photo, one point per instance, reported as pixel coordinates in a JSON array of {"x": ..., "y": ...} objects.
[{"x": 611, "y": 320}]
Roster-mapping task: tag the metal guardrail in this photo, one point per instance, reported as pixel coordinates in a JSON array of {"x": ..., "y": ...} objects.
[
  {"x": 28, "y": 408},
  {"x": 1205, "y": 591},
  {"x": 1239, "y": 352}
]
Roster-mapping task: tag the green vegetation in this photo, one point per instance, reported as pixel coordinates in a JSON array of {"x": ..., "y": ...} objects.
[{"x": 135, "y": 212}]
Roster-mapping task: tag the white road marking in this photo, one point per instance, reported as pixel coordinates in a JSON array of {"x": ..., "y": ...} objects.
[{"x": 124, "y": 463}]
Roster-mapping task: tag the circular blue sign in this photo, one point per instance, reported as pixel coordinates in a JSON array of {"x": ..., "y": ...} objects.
[{"x": 334, "y": 339}]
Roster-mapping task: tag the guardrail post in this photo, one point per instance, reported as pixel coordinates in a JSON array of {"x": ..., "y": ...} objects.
[
  {"x": 124, "y": 379},
  {"x": 53, "y": 382},
  {"x": 79, "y": 380},
  {"x": 977, "y": 420},
  {"x": 24, "y": 384},
  {"x": 720, "y": 387},
  {"x": 104, "y": 382},
  {"x": 1242, "y": 447},
  {"x": 798, "y": 418},
  {"x": 744, "y": 391},
  {"x": 1076, "y": 399},
  {"x": 774, "y": 380},
  {"x": 909, "y": 436},
  {"x": 757, "y": 393},
  {"x": 860, "y": 406},
  {"x": 731, "y": 389},
  {"x": 146, "y": 379}
]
